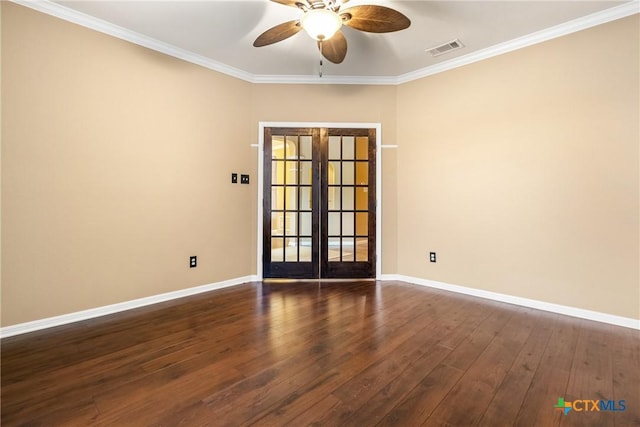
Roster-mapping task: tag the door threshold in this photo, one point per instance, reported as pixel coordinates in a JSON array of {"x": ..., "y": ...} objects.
[{"x": 351, "y": 279}]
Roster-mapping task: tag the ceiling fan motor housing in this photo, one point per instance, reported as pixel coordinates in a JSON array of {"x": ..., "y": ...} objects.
[{"x": 322, "y": 20}]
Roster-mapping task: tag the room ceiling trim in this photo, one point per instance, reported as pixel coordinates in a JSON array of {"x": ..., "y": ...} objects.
[
  {"x": 82, "y": 19},
  {"x": 547, "y": 34},
  {"x": 70, "y": 15}
]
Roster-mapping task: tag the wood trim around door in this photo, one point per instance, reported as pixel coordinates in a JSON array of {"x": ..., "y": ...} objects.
[{"x": 378, "y": 182}]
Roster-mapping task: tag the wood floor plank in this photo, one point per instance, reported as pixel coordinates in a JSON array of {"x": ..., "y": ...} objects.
[
  {"x": 445, "y": 330},
  {"x": 366, "y": 384},
  {"x": 551, "y": 378},
  {"x": 591, "y": 378},
  {"x": 625, "y": 355},
  {"x": 257, "y": 402},
  {"x": 483, "y": 378},
  {"x": 508, "y": 399},
  {"x": 381, "y": 403},
  {"x": 418, "y": 405},
  {"x": 319, "y": 353}
]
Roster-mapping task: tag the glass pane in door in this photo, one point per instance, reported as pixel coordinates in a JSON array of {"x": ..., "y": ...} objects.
[
  {"x": 319, "y": 203},
  {"x": 348, "y": 238},
  {"x": 348, "y": 202},
  {"x": 291, "y": 245}
]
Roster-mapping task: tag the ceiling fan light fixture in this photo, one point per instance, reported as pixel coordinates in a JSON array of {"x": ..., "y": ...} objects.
[
  {"x": 322, "y": 20},
  {"x": 321, "y": 24}
]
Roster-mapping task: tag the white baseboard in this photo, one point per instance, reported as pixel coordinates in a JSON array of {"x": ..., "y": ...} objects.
[
  {"x": 525, "y": 302},
  {"x": 50, "y": 322}
]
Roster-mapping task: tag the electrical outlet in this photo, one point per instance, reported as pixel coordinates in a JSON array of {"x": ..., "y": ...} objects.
[
  {"x": 193, "y": 261},
  {"x": 244, "y": 179},
  {"x": 432, "y": 256},
  {"x": 234, "y": 178}
]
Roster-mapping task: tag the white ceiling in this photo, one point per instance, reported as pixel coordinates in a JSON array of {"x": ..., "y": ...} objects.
[{"x": 222, "y": 33}]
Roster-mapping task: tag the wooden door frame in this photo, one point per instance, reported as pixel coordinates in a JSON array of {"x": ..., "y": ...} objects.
[{"x": 376, "y": 126}]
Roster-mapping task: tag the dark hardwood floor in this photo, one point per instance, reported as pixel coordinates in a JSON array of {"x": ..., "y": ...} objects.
[{"x": 333, "y": 354}]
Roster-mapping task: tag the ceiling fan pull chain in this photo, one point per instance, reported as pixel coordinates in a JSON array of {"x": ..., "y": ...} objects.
[
  {"x": 323, "y": 19},
  {"x": 320, "y": 43}
]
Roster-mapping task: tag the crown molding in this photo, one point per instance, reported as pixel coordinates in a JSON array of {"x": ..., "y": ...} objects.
[
  {"x": 335, "y": 80},
  {"x": 82, "y": 19},
  {"x": 67, "y": 14},
  {"x": 598, "y": 18}
]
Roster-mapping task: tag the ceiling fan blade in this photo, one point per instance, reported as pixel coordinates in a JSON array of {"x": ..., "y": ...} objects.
[
  {"x": 334, "y": 49},
  {"x": 278, "y": 33},
  {"x": 375, "y": 19}
]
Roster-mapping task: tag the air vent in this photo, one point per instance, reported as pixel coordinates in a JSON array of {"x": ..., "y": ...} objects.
[{"x": 445, "y": 48}]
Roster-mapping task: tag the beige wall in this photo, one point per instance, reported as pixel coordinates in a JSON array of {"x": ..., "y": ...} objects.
[
  {"x": 116, "y": 165},
  {"x": 522, "y": 172}
]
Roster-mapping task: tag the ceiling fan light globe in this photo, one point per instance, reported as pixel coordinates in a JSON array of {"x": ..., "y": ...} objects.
[{"x": 321, "y": 24}]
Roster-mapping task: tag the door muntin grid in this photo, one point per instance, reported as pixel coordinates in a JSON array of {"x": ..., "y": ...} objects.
[
  {"x": 348, "y": 207},
  {"x": 291, "y": 198},
  {"x": 319, "y": 203}
]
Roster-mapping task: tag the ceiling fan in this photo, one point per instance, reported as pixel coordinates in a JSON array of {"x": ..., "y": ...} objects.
[{"x": 322, "y": 20}]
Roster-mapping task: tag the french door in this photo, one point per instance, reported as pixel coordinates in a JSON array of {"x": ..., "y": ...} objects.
[{"x": 319, "y": 203}]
